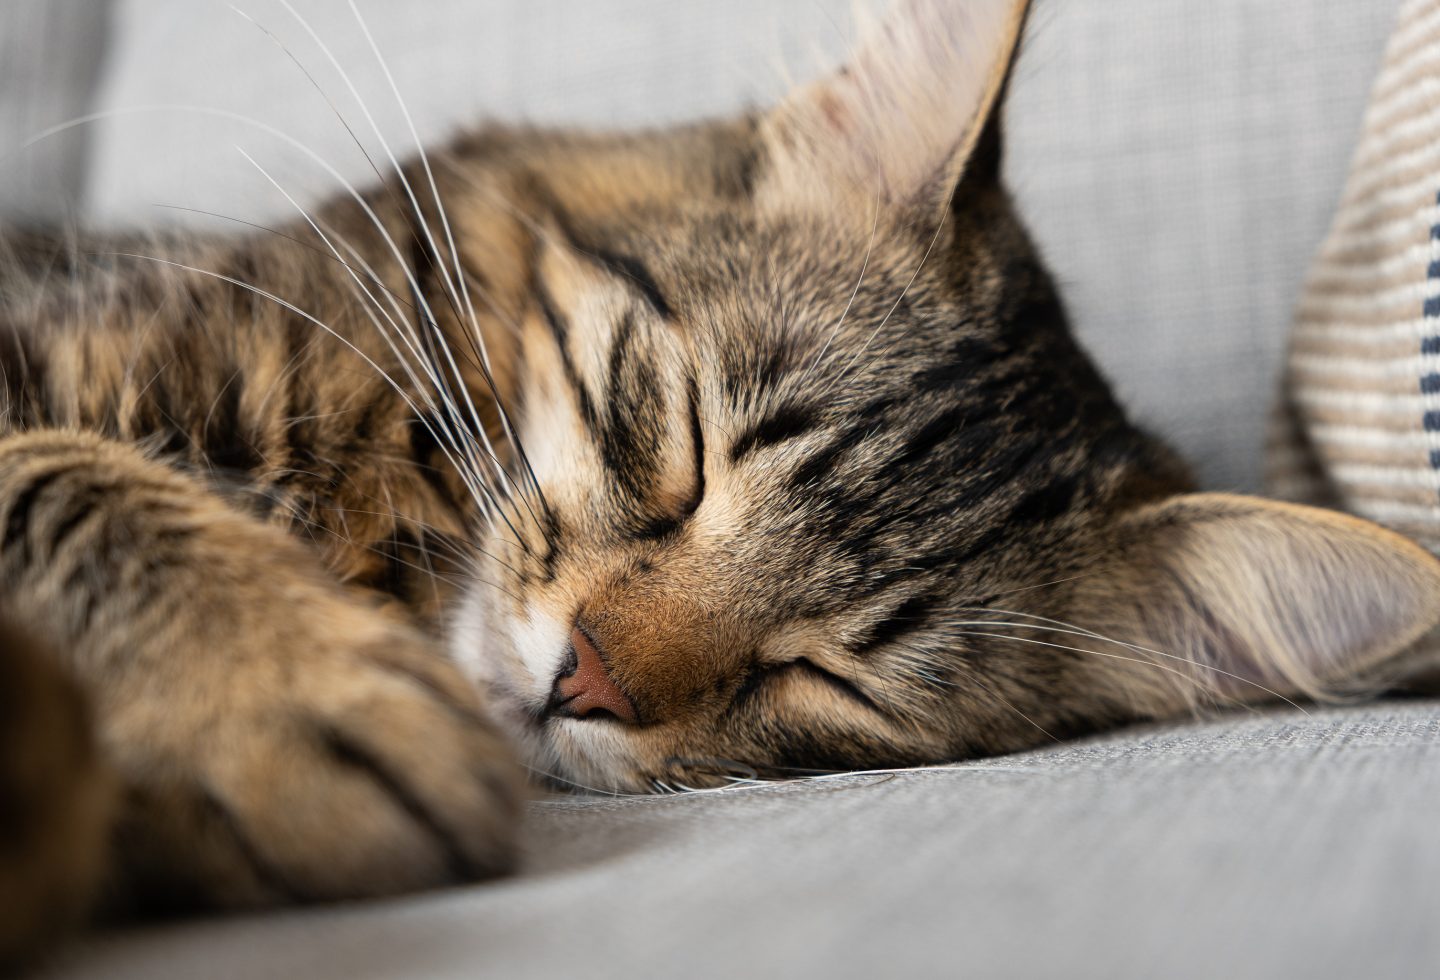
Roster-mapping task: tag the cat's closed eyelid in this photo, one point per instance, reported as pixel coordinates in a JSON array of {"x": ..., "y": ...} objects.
[
  {"x": 760, "y": 675},
  {"x": 845, "y": 686}
]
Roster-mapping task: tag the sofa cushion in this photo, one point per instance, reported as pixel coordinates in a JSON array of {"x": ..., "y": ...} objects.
[
  {"x": 50, "y": 58},
  {"x": 1178, "y": 161},
  {"x": 1360, "y": 423},
  {"x": 1284, "y": 844}
]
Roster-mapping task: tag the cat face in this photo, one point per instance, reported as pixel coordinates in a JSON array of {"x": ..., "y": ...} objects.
[{"x": 814, "y": 476}]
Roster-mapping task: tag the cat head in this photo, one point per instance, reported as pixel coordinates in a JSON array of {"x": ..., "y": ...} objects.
[{"x": 814, "y": 475}]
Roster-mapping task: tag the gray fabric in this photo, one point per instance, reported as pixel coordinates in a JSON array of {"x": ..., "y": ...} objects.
[
  {"x": 1277, "y": 845},
  {"x": 1178, "y": 159},
  {"x": 50, "y": 57},
  {"x": 455, "y": 62}
]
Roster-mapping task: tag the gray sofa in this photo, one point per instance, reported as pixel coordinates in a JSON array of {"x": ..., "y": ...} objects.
[{"x": 1178, "y": 161}]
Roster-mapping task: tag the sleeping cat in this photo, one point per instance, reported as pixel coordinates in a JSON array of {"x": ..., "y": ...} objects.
[{"x": 755, "y": 447}]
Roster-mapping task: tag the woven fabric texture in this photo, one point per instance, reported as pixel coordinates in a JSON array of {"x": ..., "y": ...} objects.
[
  {"x": 51, "y": 56},
  {"x": 1178, "y": 160},
  {"x": 1281, "y": 845},
  {"x": 1360, "y": 424}
]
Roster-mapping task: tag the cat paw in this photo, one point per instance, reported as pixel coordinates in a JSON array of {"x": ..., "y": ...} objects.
[
  {"x": 348, "y": 768},
  {"x": 54, "y": 802}
]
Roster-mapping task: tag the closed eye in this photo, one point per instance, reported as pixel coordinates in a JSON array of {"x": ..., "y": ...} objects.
[{"x": 843, "y": 686}]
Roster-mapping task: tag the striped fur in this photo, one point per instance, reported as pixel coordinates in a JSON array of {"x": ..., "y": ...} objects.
[{"x": 783, "y": 425}]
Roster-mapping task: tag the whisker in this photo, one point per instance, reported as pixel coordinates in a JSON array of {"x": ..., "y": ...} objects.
[
  {"x": 477, "y": 488},
  {"x": 865, "y": 265},
  {"x": 280, "y": 234},
  {"x": 1025, "y": 588},
  {"x": 289, "y": 140},
  {"x": 442, "y": 538},
  {"x": 315, "y": 84},
  {"x": 420, "y": 219},
  {"x": 369, "y": 361},
  {"x": 896, "y": 305},
  {"x": 740, "y": 783},
  {"x": 1011, "y": 705},
  {"x": 535, "y": 771},
  {"x": 1060, "y": 626},
  {"x": 1188, "y": 679}
]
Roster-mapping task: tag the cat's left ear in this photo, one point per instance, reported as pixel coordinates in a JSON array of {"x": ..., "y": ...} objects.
[{"x": 897, "y": 126}]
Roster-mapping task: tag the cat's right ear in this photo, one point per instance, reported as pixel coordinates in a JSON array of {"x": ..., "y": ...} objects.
[
  {"x": 897, "y": 126},
  {"x": 1251, "y": 598}
]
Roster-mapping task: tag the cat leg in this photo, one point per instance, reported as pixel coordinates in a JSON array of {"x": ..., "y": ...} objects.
[
  {"x": 276, "y": 737},
  {"x": 55, "y": 801}
]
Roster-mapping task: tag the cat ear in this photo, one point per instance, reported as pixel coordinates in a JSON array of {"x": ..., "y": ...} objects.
[
  {"x": 896, "y": 126},
  {"x": 1261, "y": 595}
]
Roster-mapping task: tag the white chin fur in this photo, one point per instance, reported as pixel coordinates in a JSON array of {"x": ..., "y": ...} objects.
[{"x": 514, "y": 663}]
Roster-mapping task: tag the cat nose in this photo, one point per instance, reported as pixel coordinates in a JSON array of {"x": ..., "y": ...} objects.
[{"x": 585, "y": 689}]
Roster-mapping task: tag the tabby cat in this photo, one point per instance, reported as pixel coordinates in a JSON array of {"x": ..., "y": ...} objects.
[{"x": 754, "y": 447}]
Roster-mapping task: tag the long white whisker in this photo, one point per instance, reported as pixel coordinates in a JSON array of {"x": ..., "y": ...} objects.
[
  {"x": 895, "y": 306},
  {"x": 429, "y": 173},
  {"x": 283, "y": 137},
  {"x": 315, "y": 84},
  {"x": 1060, "y": 626},
  {"x": 354, "y": 195},
  {"x": 1194, "y": 682},
  {"x": 452, "y": 550},
  {"x": 1009, "y": 704},
  {"x": 460, "y": 277},
  {"x": 835, "y": 332},
  {"x": 419, "y": 213},
  {"x": 369, "y": 361},
  {"x": 374, "y": 279},
  {"x": 742, "y": 784},
  {"x": 441, "y": 385},
  {"x": 262, "y": 127},
  {"x": 579, "y": 785},
  {"x": 412, "y": 340},
  {"x": 369, "y": 310}
]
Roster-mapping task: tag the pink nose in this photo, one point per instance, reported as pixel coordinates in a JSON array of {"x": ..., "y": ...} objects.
[{"x": 587, "y": 691}]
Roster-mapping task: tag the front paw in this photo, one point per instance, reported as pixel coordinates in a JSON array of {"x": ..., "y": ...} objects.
[
  {"x": 54, "y": 801},
  {"x": 343, "y": 767}
]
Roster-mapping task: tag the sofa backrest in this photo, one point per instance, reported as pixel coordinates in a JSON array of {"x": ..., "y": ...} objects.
[{"x": 1178, "y": 159}]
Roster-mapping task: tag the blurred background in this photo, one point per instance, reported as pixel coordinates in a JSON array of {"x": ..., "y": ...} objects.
[{"x": 1178, "y": 160}]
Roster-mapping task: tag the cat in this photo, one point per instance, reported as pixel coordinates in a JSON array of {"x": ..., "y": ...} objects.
[{"x": 751, "y": 447}]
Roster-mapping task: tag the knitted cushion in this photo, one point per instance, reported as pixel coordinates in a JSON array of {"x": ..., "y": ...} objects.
[{"x": 1359, "y": 424}]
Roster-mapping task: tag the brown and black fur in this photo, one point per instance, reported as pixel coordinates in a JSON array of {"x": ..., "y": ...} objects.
[{"x": 794, "y": 438}]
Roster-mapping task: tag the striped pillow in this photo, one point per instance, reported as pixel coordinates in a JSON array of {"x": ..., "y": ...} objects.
[{"x": 1359, "y": 422}]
